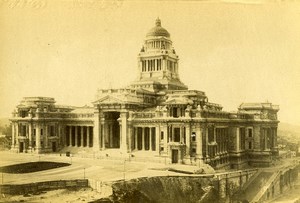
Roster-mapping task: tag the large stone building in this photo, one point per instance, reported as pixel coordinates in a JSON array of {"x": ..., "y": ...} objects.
[{"x": 157, "y": 117}]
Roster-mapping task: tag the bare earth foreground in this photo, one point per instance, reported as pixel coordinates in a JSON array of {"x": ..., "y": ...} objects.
[{"x": 103, "y": 169}]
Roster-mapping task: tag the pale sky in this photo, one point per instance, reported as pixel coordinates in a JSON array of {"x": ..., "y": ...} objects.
[{"x": 235, "y": 52}]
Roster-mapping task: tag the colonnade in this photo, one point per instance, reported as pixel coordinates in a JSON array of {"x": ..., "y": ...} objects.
[
  {"x": 79, "y": 136},
  {"x": 145, "y": 139}
]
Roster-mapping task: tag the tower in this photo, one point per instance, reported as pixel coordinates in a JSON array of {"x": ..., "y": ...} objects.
[{"x": 158, "y": 62}]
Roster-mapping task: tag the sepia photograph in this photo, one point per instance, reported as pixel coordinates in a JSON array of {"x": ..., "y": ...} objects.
[{"x": 153, "y": 101}]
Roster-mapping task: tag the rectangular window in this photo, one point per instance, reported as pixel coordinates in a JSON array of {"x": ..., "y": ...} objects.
[
  {"x": 52, "y": 131},
  {"x": 242, "y": 137},
  {"x": 175, "y": 114},
  {"x": 23, "y": 130},
  {"x": 193, "y": 151},
  {"x": 193, "y": 136},
  {"x": 161, "y": 135},
  {"x": 250, "y": 145},
  {"x": 161, "y": 149},
  {"x": 211, "y": 135},
  {"x": 41, "y": 131},
  {"x": 249, "y": 132},
  {"x": 176, "y": 134},
  {"x": 34, "y": 131}
]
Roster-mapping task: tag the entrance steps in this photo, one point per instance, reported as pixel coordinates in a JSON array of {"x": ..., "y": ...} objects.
[{"x": 77, "y": 150}]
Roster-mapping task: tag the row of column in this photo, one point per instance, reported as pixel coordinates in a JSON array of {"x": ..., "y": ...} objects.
[
  {"x": 28, "y": 130},
  {"x": 79, "y": 136},
  {"x": 151, "y": 65},
  {"x": 145, "y": 138},
  {"x": 158, "y": 44}
]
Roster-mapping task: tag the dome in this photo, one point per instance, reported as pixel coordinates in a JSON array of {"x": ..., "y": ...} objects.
[{"x": 158, "y": 30}]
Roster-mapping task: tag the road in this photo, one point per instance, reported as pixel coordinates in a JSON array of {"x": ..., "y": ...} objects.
[{"x": 105, "y": 170}]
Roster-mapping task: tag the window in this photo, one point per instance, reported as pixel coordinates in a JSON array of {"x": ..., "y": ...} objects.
[
  {"x": 249, "y": 132},
  {"x": 176, "y": 134},
  {"x": 193, "y": 136},
  {"x": 250, "y": 145},
  {"x": 193, "y": 151},
  {"x": 175, "y": 112},
  {"x": 34, "y": 131},
  {"x": 161, "y": 135},
  {"x": 41, "y": 131},
  {"x": 211, "y": 135},
  {"x": 23, "y": 132},
  {"x": 52, "y": 131},
  {"x": 242, "y": 137},
  {"x": 23, "y": 114},
  {"x": 161, "y": 149}
]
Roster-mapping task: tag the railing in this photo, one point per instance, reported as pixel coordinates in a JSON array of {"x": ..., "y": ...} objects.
[{"x": 265, "y": 188}]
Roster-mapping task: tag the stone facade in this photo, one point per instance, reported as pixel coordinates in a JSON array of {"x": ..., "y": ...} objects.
[{"x": 155, "y": 116}]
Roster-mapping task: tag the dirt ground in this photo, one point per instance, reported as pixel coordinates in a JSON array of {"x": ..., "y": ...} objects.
[{"x": 54, "y": 196}]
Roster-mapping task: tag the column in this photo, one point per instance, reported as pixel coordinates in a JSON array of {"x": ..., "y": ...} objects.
[
  {"x": 30, "y": 135},
  {"x": 206, "y": 139},
  {"x": 17, "y": 135},
  {"x": 70, "y": 136},
  {"x": 188, "y": 140},
  {"x": 87, "y": 136},
  {"x": 103, "y": 134},
  {"x": 124, "y": 130},
  {"x": 81, "y": 133},
  {"x": 181, "y": 134},
  {"x": 199, "y": 155},
  {"x": 107, "y": 134},
  {"x": 237, "y": 139},
  {"x": 150, "y": 138},
  {"x": 76, "y": 136},
  {"x": 111, "y": 138},
  {"x": 129, "y": 137},
  {"x": 13, "y": 135},
  {"x": 157, "y": 140},
  {"x": 136, "y": 139},
  {"x": 164, "y": 66},
  {"x": 38, "y": 138},
  {"x": 166, "y": 135},
  {"x": 143, "y": 138},
  {"x": 46, "y": 136},
  {"x": 97, "y": 130}
]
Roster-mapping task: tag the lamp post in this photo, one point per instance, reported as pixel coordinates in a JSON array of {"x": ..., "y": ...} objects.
[{"x": 124, "y": 171}]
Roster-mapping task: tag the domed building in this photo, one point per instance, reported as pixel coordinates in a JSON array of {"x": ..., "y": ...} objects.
[{"x": 156, "y": 118}]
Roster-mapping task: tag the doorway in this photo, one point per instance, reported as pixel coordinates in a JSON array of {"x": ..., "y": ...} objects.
[
  {"x": 112, "y": 130},
  {"x": 174, "y": 156},
  {"x": 21, "y": 147},
  {"x": 53, "y": 146}
]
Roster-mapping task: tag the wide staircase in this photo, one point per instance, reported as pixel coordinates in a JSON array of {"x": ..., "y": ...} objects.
[{"x": 77, "y": 151}]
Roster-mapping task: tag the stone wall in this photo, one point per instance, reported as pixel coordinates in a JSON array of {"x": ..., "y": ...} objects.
[
  {"x": 166, "y": 189},
  {"x": 282, "y": 181},
  {"x": 230, "y": 182},
  {"x": 21, "y": 189}
]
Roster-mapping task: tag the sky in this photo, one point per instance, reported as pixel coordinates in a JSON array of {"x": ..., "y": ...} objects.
[{"x": 234, "y": 51}]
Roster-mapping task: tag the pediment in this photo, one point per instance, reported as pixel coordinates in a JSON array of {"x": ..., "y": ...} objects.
[
  {"x": 179, "y": 101},
  {"x": 109, "y": 100}
]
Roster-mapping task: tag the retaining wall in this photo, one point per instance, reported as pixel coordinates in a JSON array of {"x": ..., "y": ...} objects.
[{"x": 21, "y": 189}]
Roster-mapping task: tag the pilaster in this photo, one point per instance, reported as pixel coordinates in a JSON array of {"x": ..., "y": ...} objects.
[
  {"x": 97, "y": 130},
  {"x": 38, "y": 139},
  {"x": 123, "y": 116}
]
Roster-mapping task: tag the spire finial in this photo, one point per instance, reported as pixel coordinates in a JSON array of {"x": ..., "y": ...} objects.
[{"x": 158, "y": 22}]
